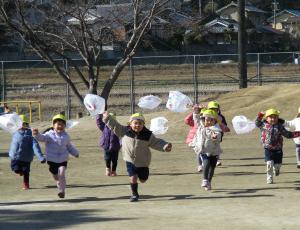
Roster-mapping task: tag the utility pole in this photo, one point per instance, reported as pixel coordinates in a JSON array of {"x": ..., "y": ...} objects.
[
  {"x": 200, "y": 8},
  {"x": 212, "y": 6},
  {"x": 275, "y": 8},
  {"x": 242, "y": 44}
]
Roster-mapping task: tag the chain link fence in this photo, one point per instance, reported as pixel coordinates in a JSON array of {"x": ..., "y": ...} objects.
[{"x": 198, "y": 76}]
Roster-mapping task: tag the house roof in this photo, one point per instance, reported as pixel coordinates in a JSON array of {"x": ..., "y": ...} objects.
[
  {"x": 218, "y": 25},
  {"x": 292, "y": 12},
  {"x": 179, "y": 18},
  {"x": 248, "y": 7},
  {"x": 267, "y": 30}
]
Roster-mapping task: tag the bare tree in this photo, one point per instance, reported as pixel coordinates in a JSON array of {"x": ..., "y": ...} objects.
[{"x": 63, "y": 27}]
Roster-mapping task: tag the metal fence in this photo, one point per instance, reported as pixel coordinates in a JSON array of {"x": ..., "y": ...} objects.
[{"x": 198, "y": 76}]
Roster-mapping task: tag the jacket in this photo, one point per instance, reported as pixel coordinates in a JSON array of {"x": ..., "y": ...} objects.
[
  {"x": 193, "y": 128},
  {"x": 295, "y": 123},
  {"x": 136, "y": 146},
  {"x": 57, "y": 146},
  {"x": 108, "y": 140},
  {"x": 271, "y": 135},
  {"x": 23, "y": 146},
  {"x": 203, "y": 142}
]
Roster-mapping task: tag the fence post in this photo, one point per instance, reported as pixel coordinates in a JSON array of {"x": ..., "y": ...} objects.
[
  {"x": 68, "y": 98},
  {"x": 3, "y": 83},
  {"x": 195, "y": 81},
  {"x": 132, "y": 94},
  {"x": 258, "y": 70}
]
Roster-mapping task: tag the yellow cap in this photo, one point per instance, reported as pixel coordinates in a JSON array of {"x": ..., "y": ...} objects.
[
  {"x": 209, "y": 113},
  {"x": 137, "y": 116},
  {"x": 213, "y": 105},
  {"x": 270, "y": 112},
  {"x": 24, "y": 118},
  {"x": 59, "y": 117}
]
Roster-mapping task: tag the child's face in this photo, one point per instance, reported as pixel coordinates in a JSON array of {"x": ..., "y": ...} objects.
[
  {"x": 137, "y": 125},
  {"x": 25, "y": 125},
  {"x": 208, "y": 121},
  {"x": 59, "y": 126},
  {"x": 272, "y": 119}
]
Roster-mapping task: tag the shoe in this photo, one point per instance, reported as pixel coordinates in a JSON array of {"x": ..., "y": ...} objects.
[
  {"x": 134, "y": 198},
  {"x": 200, "y": 168},
  {"x": 204, "y": 183},
  {"x": 61, "y": 195},
  {"x": 219, "y": 163},
  {"x": 298, "y": 166},
  {"x": 208, "y": 187},
  {"x": 114, "y": 173},
  {"x": 276, "y": 172},
  {"x": 107, "y": 172},
  {"x": 270, "y": 180},
  {"x": 25, "y": 186}
]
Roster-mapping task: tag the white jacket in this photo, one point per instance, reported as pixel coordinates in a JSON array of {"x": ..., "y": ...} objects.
[
  {"x": 203, "y": 143},
  {"x": 295, "y": 124}
]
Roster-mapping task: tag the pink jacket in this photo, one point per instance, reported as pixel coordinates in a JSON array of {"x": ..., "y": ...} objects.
[{"x": 193, "y": 128}]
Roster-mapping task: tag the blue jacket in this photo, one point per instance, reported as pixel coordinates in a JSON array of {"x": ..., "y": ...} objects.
[
  {"x": 23, "y": 146},
  {"x": 108, "y": 140}
]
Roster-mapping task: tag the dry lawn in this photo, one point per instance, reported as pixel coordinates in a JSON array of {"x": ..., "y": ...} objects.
[{"x": 172, "y": 198}]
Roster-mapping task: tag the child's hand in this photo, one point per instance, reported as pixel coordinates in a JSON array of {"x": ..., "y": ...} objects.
[
  {"x": 35, "y": 132},
  {"x": 214, "y": 135},
  {"x": 77, "y": 156},
  {"x": 260, "y": 115},
  {"x": 196, "y": 109},
  {"x": 168, "y": 147},
  {"x": 43, "y": 161},
  {"x": 296, "y": 134},
  {"x": 105, "y": 115}
]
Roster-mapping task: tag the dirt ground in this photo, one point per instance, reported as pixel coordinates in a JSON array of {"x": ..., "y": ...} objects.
[{"x": 172, "y": 198}]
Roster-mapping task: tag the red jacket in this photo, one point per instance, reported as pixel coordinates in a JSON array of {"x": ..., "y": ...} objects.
[{"x": 193, "y": 128}]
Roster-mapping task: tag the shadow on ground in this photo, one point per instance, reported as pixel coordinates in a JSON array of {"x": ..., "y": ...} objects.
[{"x": 16, "y": 219}]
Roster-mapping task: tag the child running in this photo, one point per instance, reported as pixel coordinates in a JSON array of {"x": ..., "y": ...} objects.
[
  {"x": 110, "y": 144},
  {"x": 207, "y": 143},
  {"x": 136, "y": 143},
  {"x": 271, "y": 137},
  {"x": 21, "y": 151},
  {"x": 214, "y": 105},
  {"x": 295, "y": 124},
  {"x": 58, "y": 146}
]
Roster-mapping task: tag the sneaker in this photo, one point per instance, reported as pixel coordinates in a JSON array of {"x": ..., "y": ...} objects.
[
  {"x": 276, "y": 171},
  {"x": 219, "y": 163},
  {"x": 204, "y": 183},
  {"x": 114, "y": 173},
  {"x": 134, "y": 198},
  {"x": 107, "y": 172},
  {"x": 208, "y": 187},
  {"x": 270, "y": 180},
  {"x": 61, "y": 195},
  {"x": 25, "y": 186},
  {"x": 200, "y": 168},
  {"x": 298, "y": 166}
]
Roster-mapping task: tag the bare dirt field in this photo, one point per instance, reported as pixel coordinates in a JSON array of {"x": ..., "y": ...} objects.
[{"x": 172, "y": 198}]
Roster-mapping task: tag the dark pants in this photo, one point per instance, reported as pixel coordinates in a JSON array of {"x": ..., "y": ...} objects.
[
  {"x": 274, "y": 155},
  {"x": 209, "y": 165},
  {"x": 53, "y": 167},
  {"x": 111, "y": 159},
  {"x": 141, "y": 172},
  {"x": 21, "y": 168}
]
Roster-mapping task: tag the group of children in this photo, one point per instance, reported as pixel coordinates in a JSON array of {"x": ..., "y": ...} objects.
[{"x": 207, "y": 124}]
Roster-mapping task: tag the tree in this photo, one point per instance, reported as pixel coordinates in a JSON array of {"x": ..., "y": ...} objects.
[{"x": 61, "y": 28}]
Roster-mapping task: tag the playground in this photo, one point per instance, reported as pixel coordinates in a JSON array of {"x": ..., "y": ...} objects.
[{"x": 172, "y": 198}]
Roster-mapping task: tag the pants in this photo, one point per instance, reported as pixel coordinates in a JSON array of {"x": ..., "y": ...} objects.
[
  {"x": 199, "y": 159},
  {"x": 209, "y": 165},
  {"x": 298, "y": 154},
  {"x": 21, "y": 168},
  {"x": 111, "y": 159},
  {"x": 58, "y": 171},
  {"x": 273, "y": 159}
]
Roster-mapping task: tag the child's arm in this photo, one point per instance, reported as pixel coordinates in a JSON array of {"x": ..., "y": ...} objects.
[
  {"x": 37, "y": 151},
  {"x": 289, "y": 134},
  {"x": 14, "y": 145},
  {"x": 72, "y": 150},
  {"x": 115, "y": 126},
  {"x": 259, "y": 120},
  {"x": 189, "y": 120},
  {"x": 290, "y": 124},
  {"x": 159, "y": 144},
  {"x": 99, "y": 122},
  {"x": 38, "y": 136}
]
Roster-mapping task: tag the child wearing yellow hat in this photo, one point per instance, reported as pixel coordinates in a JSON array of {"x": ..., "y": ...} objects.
[
  {"x": 58, "y": 146},
  {"x": 271, "y": 137},
  {"x": 23, "y": 147},
  {"x": 295, "y": 124},
  {"x": 136, "y": 143},
  {"x": 207, "y": 143}
]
